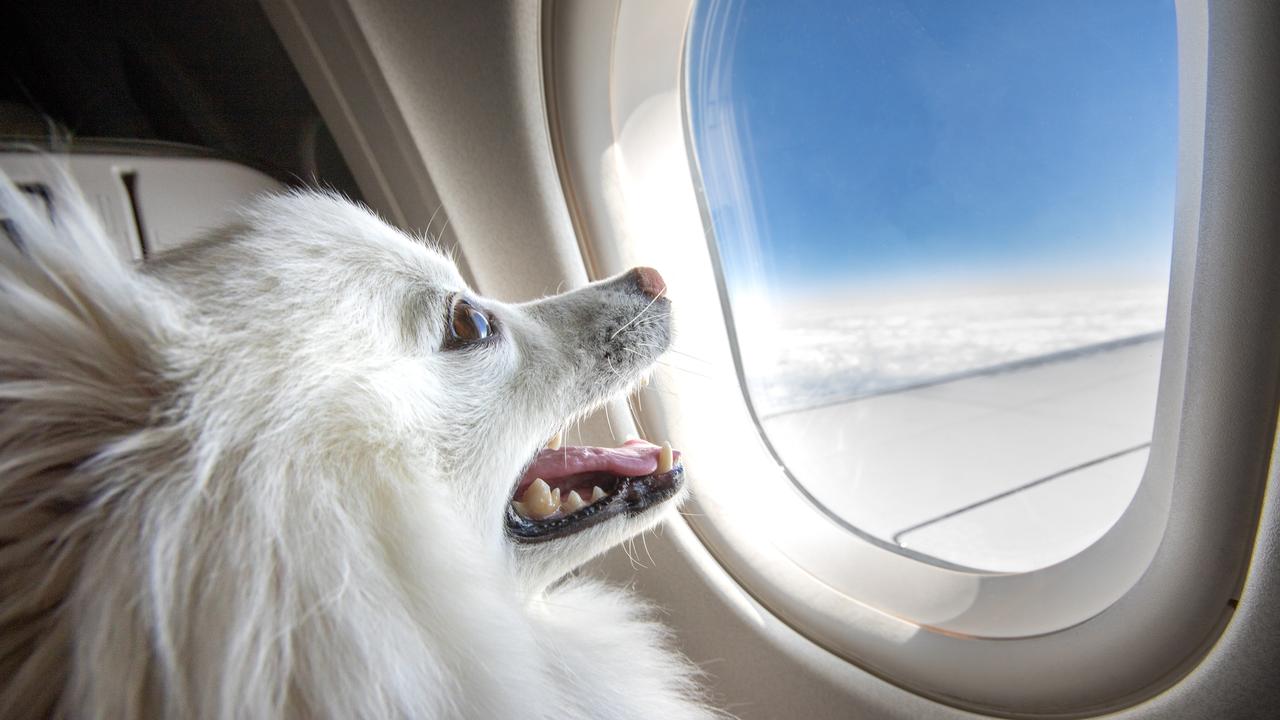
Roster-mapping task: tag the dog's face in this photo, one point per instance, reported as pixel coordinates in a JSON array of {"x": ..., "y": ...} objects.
[{"x": 334, "y": 330}]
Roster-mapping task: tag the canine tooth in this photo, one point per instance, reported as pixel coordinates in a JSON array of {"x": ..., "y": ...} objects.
[
  {"x": 573, "y": 503},
  {"x": 596, "y": 495},
  {"x": 538, "y": 500},
  {"x": 665, "y": 458},
  {"x": 520, "y": 508},
  {"x": 554, "y": 442}
]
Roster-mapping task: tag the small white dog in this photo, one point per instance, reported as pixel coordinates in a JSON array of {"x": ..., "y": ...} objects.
[{"x": 298, "y": 470}]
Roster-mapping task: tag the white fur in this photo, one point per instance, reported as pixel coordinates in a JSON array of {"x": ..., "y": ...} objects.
[{"x": 246, "y": 481}]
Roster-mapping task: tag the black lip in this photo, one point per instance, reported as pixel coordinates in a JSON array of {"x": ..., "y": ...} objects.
[{"x": 631, "y": 496}]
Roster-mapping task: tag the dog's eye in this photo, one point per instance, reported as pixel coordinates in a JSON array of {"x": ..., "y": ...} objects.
[{"x": 468, "y": 323}]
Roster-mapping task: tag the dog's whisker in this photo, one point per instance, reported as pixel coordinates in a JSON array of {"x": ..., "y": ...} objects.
[
  {"x": 637, "y": 411},
  {"x": 670, "y": 359},
  {"x": 695, "y": 373},
  {"x": 431, "y": 221},
  {"x": 660, "y": 390},
  {"x": 630, "y": 558},
  {"x": 444, "y": 228},
  {"x": 644, "y": 540},
  {"x": 632, "y": 543},
  {"x": 676, "y": 351},
  {"x": 695, "y": 358},
  {"x": 639, "y": 314},
  {"x": 674, "y": 366}
]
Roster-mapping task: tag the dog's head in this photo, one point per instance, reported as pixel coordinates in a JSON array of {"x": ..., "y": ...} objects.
[{"x": 331, "y": 329}]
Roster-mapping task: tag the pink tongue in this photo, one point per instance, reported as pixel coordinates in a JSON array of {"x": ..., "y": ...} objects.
[{"x": 634, "y": 458}]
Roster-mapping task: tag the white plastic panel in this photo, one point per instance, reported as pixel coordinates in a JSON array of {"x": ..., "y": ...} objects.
[{"x": 147, "y": 204}]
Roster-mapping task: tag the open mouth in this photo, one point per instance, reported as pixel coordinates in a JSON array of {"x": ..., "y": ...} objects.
[{"x": 569, "y": 489}]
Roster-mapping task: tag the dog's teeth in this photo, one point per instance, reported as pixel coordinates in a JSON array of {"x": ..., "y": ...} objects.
[
  {"x": 554, "y": 442},
  {"x": 596, "y": 495},
  {"x": 520, "y": 508},
  {"x": 665, "y": 459},
  {"x": 573, "y": 503},
  {"x": 539, "y": 502}
]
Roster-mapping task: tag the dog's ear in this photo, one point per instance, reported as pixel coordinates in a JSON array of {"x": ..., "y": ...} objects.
[
  {"x": 83, "y": 331},
  {"x": 81, "y": 375}
]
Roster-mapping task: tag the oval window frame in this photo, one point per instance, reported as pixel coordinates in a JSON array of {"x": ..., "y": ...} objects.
[{"x": 1006, "y": 643}]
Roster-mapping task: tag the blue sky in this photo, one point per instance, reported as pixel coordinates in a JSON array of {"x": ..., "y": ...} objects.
[{"x": 887, "y": 139}]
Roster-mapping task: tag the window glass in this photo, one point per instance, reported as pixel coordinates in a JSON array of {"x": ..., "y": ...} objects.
[{"x": 944, "y": 229}]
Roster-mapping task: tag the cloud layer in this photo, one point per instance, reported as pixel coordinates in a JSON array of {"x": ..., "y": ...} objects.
[{"x": 813, "y": 353}]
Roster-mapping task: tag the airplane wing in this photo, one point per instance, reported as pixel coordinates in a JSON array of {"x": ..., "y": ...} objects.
[{"x": 1008, "y": 470}]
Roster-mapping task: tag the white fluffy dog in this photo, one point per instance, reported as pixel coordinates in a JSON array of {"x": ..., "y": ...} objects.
[{"x": 273, "y": 476}]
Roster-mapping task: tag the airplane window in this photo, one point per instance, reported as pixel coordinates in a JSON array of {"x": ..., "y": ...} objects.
[{"x": 944, "y": 230}]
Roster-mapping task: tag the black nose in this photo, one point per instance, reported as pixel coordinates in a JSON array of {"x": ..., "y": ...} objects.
[{"x": 647, "y": 281}]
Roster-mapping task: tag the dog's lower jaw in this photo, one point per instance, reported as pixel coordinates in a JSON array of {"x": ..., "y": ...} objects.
[{"x": 541, "y": 565}]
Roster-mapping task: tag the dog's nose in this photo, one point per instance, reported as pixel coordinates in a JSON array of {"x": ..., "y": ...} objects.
[{"x": 648, "y": 281}]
